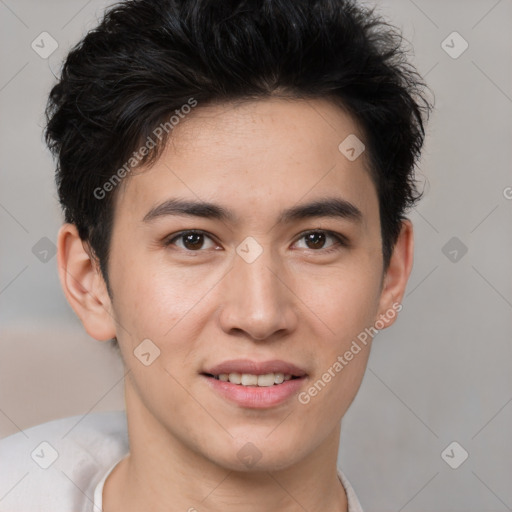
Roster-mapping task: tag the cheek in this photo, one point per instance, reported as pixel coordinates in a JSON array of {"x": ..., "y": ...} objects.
[
  {"x": 344, "y": 300},
  {"x": 153, "y": 298},
  {"x": 347, "y": 312},
  {"x": 345, "y": 304},
  {"x": 158, "y": 305},
  {"x": 170, "y": 307},
  {"x": 329, "y": 394}
]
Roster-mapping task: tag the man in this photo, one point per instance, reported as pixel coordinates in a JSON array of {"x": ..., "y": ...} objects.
[{"x": 234, "y": 177}]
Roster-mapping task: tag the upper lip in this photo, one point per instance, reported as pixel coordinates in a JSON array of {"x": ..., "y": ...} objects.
[{"x": 256, "y": 367}]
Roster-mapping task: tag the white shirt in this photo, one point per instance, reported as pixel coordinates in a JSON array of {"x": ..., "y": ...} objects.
[{"x": 61, "y": 466}]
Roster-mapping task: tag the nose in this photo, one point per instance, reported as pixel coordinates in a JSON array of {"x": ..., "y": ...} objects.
[{"x": 257, "y": 299}]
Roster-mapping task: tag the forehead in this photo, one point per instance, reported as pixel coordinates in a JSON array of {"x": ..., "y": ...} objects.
[
  {"x": 256, "y": 155},
  {"x": 269, "y": 126}
]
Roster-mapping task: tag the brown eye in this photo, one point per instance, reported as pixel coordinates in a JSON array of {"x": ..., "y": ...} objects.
[
  {"x": 191, "y": 241},
  {"x": 316, "y": 241}
]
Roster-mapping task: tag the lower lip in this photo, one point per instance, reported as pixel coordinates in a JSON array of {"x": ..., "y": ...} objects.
[{"x": 256, "y": 397}]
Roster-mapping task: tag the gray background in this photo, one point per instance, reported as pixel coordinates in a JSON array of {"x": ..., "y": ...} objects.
[{"x": 440, "y": 374}]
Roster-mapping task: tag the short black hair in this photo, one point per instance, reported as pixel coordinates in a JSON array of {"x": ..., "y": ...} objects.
[{"x": 147, "y": 59}]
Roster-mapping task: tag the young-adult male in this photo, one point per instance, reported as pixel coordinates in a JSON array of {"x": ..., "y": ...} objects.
[{"x": 234, "y": 178}]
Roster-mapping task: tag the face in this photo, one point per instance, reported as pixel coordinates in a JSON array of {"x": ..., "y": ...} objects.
[{"x": 276, "y": 278}]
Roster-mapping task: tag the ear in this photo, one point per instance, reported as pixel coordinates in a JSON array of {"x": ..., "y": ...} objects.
[
  {"x": 83, "y": 284},
  {"x": 397, "y": 275}
]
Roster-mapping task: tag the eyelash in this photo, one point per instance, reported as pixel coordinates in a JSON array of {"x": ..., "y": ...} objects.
[{"x": 340, "y": 240}]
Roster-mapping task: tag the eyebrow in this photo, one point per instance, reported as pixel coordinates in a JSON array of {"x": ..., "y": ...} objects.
[{"x": 329, "y": 207}]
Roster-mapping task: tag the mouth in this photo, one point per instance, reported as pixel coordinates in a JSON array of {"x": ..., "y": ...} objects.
[
  {"x": 246, "y": 372},
  {"x": 248, "y": 379},
  {"x": 252, "y": 384}
]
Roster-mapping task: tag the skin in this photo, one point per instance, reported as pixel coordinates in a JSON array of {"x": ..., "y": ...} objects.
[{"x": 295, "y": 302}]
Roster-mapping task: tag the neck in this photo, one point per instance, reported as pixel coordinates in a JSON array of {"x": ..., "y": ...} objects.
[{"x": 161, "y": 473}]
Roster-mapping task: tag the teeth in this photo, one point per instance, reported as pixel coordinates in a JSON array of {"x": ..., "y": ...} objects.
[
  {"x": 266, "y": 380},
  {"x": 279, "y": 378},
  {"x": 235, "y": 378},
  {"x": 247, "y": 379}
]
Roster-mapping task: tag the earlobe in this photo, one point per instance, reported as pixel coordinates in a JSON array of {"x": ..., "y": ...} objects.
[
  {"x": 397, "y": 274},
  {"x": 83, "y": 284}
]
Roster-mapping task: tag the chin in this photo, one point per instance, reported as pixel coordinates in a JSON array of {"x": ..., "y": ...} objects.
[
  {"x": 259, "y": 453},
  {"x": 260, "y": 463}
]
